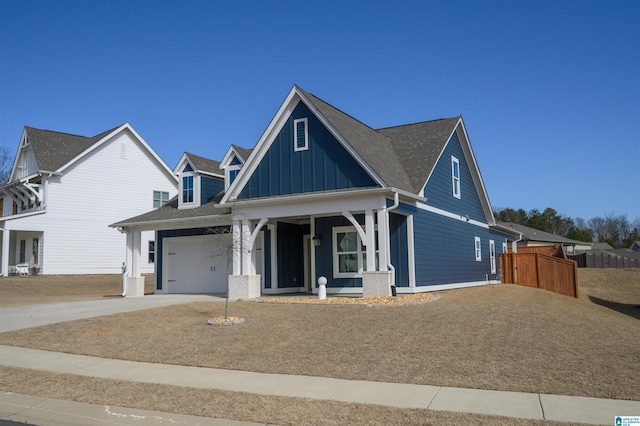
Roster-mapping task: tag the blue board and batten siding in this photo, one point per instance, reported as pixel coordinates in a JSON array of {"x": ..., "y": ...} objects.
[
  {"x": 445, "y": 246},
  {"x": 325, "y": 165},
  {"x": 439, "y": 188},
  {"x": 444, "y": 249},
  {"x": 209, "y": 188}
]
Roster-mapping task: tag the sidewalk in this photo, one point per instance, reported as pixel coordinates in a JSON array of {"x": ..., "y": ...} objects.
[
  {"x": 509, "y": 404},
  {"x": 56, "y": 412}
]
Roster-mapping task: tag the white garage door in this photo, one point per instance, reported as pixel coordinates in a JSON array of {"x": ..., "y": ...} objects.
[{"x": 197, "y": 264}]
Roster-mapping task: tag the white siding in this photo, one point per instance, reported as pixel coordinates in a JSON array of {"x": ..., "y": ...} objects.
[
  {"x": 26, "y": 164},
  {"x": 100, "y": 189}
]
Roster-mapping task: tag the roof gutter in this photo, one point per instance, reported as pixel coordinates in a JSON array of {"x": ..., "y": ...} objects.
[
  {"x": 149, "y": 225},
  {"x": 326, "y": 195}
]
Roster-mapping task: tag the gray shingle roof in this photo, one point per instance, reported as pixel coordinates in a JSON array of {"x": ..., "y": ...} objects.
[
  {"x": 243, "y": 152},
  {"x": 530, "y": 234},
  {"x": 205, "y": 164},
  {"x": 54, "y": 149},
  {"x": 169, "y": 211},
  {"x": 419, "y": 146},
  {"x": 402, "y": 156}
]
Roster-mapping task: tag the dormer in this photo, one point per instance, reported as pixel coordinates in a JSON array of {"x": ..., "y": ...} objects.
[
  {"x": 232, "y": 163},
  {"x": 199, "y": 180}
]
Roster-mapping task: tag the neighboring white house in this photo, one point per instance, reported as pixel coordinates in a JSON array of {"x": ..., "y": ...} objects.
[{"x": 64, "y": 191}]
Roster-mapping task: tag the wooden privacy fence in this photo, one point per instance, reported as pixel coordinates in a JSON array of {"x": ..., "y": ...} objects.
[
  {"x": 604, "y": 260},
  {"x": 541, "y": 271}
]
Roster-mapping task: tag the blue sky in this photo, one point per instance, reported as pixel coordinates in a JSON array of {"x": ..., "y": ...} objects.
[{"x": 549, "y": 90}]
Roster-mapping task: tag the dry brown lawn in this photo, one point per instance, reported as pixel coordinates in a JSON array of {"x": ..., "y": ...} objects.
[
  {"x": 15, "y": 291},
  {"x": 502, "y": 337}
]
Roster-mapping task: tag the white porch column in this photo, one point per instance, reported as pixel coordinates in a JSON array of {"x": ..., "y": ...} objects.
[
  {"x": 5, "y": 252},
  {"x": 243, "y": 283},
  {"x": 237, "y": 246},
  {"x": 134, "y": 282},
  {"x": 370, "y": 244},
  {"x": 383, "y": 235},
  {"x": 247, "y": 245}
]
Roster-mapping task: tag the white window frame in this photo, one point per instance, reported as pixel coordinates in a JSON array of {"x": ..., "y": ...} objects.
[
  {"x": 492, "y": 256},
  {"x": 455, "y": 180},
  {"x": 504, "y": 247},
  {"x": 296, "y": 146},
  {"x": 163, "y": 197},
  {"x": 360, "y": 252},
  {"x": 151, "y": 251},
  {"x": 478, "y": 248},
  {"x": 227, "y": 173},
  {"x": 196, "y": 191}
]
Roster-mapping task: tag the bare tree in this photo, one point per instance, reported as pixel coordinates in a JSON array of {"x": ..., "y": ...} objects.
[
  {"x": 222, "y": 248},
  {"x": 6, "y": 163}
]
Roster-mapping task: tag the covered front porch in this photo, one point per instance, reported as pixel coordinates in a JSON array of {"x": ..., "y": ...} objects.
[
  {"x": 21, "y": 252},
  {"x": 274, "y": 246}
]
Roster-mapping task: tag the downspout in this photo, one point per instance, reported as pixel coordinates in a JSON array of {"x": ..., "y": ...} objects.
[
  {"x": 124, "y": 268},
  {"x": 396, "y": 203},
  {"x": 124, "y": 280},
  {"x": 515, "y": 252}
]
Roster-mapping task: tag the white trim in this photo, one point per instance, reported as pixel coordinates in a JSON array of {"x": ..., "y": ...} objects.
[
  {"x": 273, "y": 236},
  {"x": 444, "y": 148},
  {"x": 450, "y": 215},
  {"x": 476, "y": 177},
  {"x": 305, "y": 123},
  {"x": 341, "y": 140},
  {"x": 261, "y": 148},
  {"x": 430, "y": 288},
  {"x": 492, "y": 256},
  {"x": 411, "y": 252},
  {"x": 283, "y": 290},
  {"x": 477, "y": 248},
  {"x": 125, "y": 126},
  {"x": 360, "y": 252},
  {"x": 455, "y": 180},
  {"x": 227, "y": 174},
  {"x": 274, "y": 127}
]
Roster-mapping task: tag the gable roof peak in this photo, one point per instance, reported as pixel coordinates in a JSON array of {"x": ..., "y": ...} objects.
[
  {"x": 53, "y": 149},
  {"x": 204, "y": 164}
]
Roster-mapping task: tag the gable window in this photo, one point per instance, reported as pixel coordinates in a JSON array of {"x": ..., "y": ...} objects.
[
  {"x": 349, "y": 254},
  {"x": 492, "y": 255},
  {"x": 187, "y": 189},
  {"x": 455, "y": 176},
  {"x": 300, "y": 134},
  {"x": 478, "y": 248},
  {"x": 160, "y": 198},
  {"x": 232, "y": 172},
  {"x": 152, "y": 252}
]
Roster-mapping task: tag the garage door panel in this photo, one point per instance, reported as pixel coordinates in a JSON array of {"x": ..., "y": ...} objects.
[{"x": 198, "y": 264}]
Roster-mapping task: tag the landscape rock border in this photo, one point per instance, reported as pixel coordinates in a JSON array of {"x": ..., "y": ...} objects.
[
  {"x": 370, "y": 302},
  {"x": 225, "y": 321}
]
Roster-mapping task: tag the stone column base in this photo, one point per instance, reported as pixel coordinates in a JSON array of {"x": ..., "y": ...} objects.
[
  {"x": 244, "y": 287},
  {"x": 135, "y": 286},
  {"x": 376, "y": 284}
]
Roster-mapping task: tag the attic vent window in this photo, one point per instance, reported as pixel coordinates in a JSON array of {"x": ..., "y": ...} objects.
[{"x": 300, "y": 134}]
